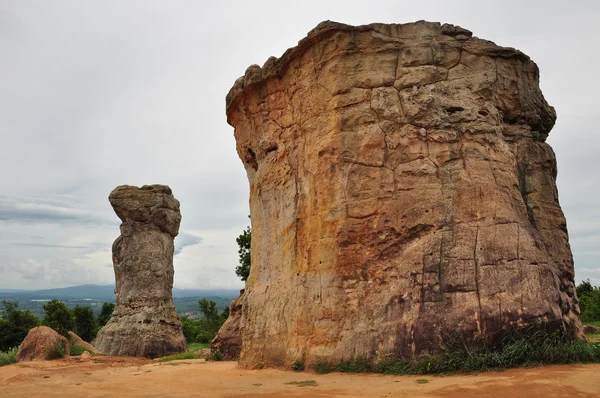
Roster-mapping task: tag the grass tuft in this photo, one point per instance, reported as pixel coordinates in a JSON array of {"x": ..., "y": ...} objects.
[
  {"x": 304, "y": 383},
  {"x": 177, "y": 357}
]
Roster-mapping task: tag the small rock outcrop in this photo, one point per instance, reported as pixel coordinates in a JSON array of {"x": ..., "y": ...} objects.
[
  {"x": 229, "y": 339},
  {"x": 144, "y": 322},
  {"x": 40, "y": 343},
  {"x": 401, "y": 191}
]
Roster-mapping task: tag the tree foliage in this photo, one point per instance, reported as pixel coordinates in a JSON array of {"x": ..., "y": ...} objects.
[
  {"x": 589, "y": 301},
  {"x": 14, "y": 325},
  {"x": 58, "y": 317},
  {"x": 105, "y": 313},
  {"x": 85, "y": 323},
  {"x": 243, "y": 241},
  {"x": 205, "y": 329}
]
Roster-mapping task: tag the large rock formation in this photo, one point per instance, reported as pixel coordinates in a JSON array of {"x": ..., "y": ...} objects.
[
  {"x": 144, "y": 322},
  {"x": 42, "y": 342},
  {"x": 401, "y": 191}
]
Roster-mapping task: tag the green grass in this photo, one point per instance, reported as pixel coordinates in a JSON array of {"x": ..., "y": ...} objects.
[
  {"x": 304, "y": 383},
  {"x": 421, "y": 381},
  {"x": 595, "y": 323},
  {"x": 522, "y": 351},
  {"x": 197, "y": 346},
  {"x": 177, "y": 357},
  {"x": 8, "y": 357}
]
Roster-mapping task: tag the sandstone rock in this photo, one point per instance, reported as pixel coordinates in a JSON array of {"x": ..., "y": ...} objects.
[
  {"x": 229, "y": 339},
  {"x": 40, "y": 343},
  {"x": 85, "y": 355},
  {"x": 144, "y": 322},
  {"x": 76, "y": 340},
  {"x": 401, "y": 191}
]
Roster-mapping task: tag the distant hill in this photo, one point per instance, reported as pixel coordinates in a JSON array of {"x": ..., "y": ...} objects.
[{"x": 104, "y": 292}]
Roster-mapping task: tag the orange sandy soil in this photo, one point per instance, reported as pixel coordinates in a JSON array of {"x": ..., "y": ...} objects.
[{"x": 133, "y": 377}]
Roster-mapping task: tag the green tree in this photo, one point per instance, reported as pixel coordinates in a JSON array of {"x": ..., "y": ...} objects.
[
  {"x": 58, "y": 317},
  {"x": 85, "y": 323},
  {"x": 105, "y": 313},
  {"x": 208, "y": 308},
  {"x": 243, "y": 241},
  {"x": 589, "y": 301},
  {"x": 14, "y": 325}
]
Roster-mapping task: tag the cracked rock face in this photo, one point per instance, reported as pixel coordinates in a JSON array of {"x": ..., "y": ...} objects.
[
  {"x": 144, "y": 322},
  {"x": 401, "y": 191}
]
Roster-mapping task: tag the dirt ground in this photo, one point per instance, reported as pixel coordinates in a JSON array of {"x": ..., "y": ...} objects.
[{"x": 131, "y": 377}]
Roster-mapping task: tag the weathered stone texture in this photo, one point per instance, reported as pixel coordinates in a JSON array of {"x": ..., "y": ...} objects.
[
  {"x": 40, "y": 343},
  {"x": 401, "y": 190},
  {"x": 144, "y": 322}
]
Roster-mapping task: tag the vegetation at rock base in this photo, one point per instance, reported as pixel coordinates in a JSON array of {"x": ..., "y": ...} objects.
[
  {"x": 57, "y": 353},
  {"x": 244, "y": 243},
  {"x": 14, "y": 325},
  {"x": 77, "y": 350},
  {"x": 297, "y": 366},
  {"x": 180, "y": 356},
  {"x": 9, "y": 356},
  {"x": 525, "y": 348}
]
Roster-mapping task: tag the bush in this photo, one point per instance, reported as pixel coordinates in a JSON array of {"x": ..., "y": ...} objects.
[
  {"x": 57, "y": 353},
  {"x": 8, "y": 357},
  {"x": 77, "y": 350},
  {"x": 217, "y": 355},
  {"x": 298, "y": 366}
]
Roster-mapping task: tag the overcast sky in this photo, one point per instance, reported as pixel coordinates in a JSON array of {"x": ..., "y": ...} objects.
[{"x": 95, "y": 94}]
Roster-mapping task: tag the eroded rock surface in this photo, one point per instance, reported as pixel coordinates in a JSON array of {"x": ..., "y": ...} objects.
[
  {"x": 144, "y": 322},
  {"x": 41, "y": 343},
  {"x": 401, "y": 190}
]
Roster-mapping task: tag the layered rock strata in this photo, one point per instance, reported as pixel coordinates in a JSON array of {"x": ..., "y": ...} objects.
[
  {"x": 401, "y": 192},
  {"x": 144, "y": 322}
]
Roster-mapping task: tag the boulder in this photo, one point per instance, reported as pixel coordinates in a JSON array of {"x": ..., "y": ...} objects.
[
  {"x": 402, "y": 193},
  {"x": 144, "y": 322},
  {"x": 229, "y": 339},
  {"x": 41, "y": 343}
]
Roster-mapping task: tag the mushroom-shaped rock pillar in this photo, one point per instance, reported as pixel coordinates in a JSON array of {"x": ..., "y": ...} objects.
[{"x": 144, "y": 322}]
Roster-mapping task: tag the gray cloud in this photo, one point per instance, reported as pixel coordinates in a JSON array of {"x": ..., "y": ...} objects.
[
  {"x": 35, "y": 210},
  {"x": 30, "y": 244},
  {"x": 114, "y": 93},
  {"x": 186, "y": 239}
]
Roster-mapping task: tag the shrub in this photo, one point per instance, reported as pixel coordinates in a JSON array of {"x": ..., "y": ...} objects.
[
  {"x": 57, "y": 353},
  {"x": 77, "y": 350},
  {"x": 8, "y": 357},
  {"x": 217, "y": 355},
  {"x": 298, "y": 366}
]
